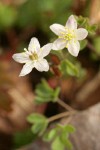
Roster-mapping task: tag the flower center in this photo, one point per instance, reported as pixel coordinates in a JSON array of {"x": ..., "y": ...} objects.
[
  {"x": 68, "y": 35},
  {"x": 34, "y": 56}
]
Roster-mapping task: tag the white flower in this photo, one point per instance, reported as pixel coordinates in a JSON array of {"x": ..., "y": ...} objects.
[
  {"x": 33, "y": 57},
  {"x": 68, "y": 36}
]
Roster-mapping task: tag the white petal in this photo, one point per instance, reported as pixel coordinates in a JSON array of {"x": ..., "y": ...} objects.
[
  {"x": 74, "y": 48},
  {"x": 59, "y": 44},
  {"x": 27, "y": 68},
  {"x": 81, "y": 33},
  {"x": 21, "y": 57},
  {"x": 34, "y": 45},
  {"x": 42, "y": 65},
  {"x": 45, "y": 50},
  {"x": 71, "y": 23},
  {"x": 57, "y": 29}
]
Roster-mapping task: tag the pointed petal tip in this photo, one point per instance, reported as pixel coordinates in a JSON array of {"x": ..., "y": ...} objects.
[
  {"x": 71, "y": 22},
  {"x": 75, "y": 55},
  {"x": 22, "y": 75},
  {"x": 20, "y": 57},
  {"x": 74, "y": 48},
  {"x": 33, "y": 44},
  {"x": 45, "y": 50},
  {"x": 51, "y": 26},
  {"x": 13, "y": 56}
]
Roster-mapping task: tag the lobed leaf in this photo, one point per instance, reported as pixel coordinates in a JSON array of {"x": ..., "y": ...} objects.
[
  {"x": 50, "y": 135},
  {"x": 67, "y": 68},
  {"x": 44, "y": 93},
  {"x": 57, "y": 144},
  {"x": 39, "y": 123}
]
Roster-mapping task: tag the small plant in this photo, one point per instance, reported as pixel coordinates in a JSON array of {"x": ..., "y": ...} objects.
[{"x": 72, "y": 38}]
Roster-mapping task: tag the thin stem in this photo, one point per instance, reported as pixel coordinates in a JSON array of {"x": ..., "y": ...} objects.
[
  {"x": 61, "y": 115},
  {"x": 66, "y": 106}
]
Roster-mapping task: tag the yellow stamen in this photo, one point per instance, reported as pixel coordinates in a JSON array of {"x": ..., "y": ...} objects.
[
  {"x": 68, "y": 35},
  {"x": 34, "y": 56}
]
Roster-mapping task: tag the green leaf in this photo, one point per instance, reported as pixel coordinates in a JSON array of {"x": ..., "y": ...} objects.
[
  {"x": 40, "y": 93},
  {"x": 69, "y": 128},
  {"x": 45, "y": 125},
  {"x": 57, "y": 144},
  {"x": 39, "y": 128},
  {"x": 50, "y": 135},
  {"x": 65, "y": 141},
  {"x": 64, "y": 136},
  {"x": 96, "y": 42},
  {"x": 84, "y": 22},
  {"x": 35, "y": 117},
  {"x": 67, "y": 68},
  {"x": 68, "y": 144},
  {"x": 36, "y": 128},
  {"x": 44, "y": 93},
  {"x": 91, "y": 28},
  {"x": 46, "y": 85},
  {"x": 56, "y": 94},
  {"x": 59, "y": 137},
  {"x": 23, "y": 138},
  {"x": 66, "y": 130},
  {"x": 39, "y": 122},
  {"x": 41, "y": 100},
  {"x": 71, "y": 69}
]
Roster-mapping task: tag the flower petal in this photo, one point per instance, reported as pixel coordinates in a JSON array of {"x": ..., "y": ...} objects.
[
  {"x": 71, "y": 23},
  {"x": 42, "y": 65},
  {"x": 45, "y": 50},
  {"x": 34, "y": 45},
  {"x": 21, "y": 57},
  {"x": 74, "y": 48},
  {"x": 57, "y": 28},
  {"x": 27, "y": 68},
  {"x": 59, "y": 44},
  {"x": 81, "y": 33}
]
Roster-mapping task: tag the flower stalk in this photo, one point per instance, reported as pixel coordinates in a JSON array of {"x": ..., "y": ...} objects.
[
  {"x": 61, "y": 115},
  {"x": 66, "y": 106}
]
